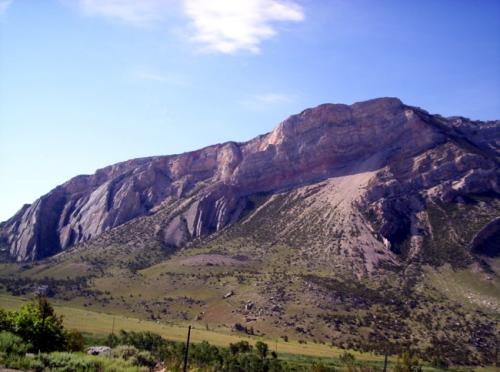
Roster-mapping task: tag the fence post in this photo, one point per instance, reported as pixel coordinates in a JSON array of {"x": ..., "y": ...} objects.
[
  {"x": 187, "y": 350},
  {"x": 385, "y": 361}
]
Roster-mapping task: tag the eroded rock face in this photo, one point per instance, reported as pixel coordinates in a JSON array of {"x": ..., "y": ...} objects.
[{"x": 415, "y": 153}]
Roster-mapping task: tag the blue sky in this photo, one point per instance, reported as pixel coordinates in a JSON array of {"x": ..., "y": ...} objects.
[{"x": 87, "y": 83}]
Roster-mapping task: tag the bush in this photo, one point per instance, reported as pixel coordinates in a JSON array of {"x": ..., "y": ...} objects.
[
  {"x": 112, "y": 340},
  {"x": 74, "y": 341},
  {"x": 439, "y": 362},
  {"x": 143, "y": 358},
  {"x": 147, "y": 341},
  {"x": 262, "y": 349},
  {"x": 407, "y": 363},
  {"x": 240, "y": 347},
  {"x": 5, "y": 321},
  {"x": 320, "y": 367},
  {"x": 347, "y": 358},
  {"x": 124, "y": 351},
  {"x": 23, "y": 363},
  {"x": 144, "y": 349},
  {"x": 69, "y": 362},
  {"x": 63, "y": 361},
  {"x": 10, "y": 344},
  {"x": 244, "y": 362},
  {"x": 132, "y": 354},
  {"x": 205, "y": 354}
]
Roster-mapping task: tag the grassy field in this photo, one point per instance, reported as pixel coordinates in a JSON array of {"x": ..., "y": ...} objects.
[
  {"x": 102, "y": 324},
  {"x": 97, "y": 323}
]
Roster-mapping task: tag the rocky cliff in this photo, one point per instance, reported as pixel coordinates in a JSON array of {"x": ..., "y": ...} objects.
[{"x": 381, "y": 163}]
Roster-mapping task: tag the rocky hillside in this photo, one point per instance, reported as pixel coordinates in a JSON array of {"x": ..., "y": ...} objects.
[
  {"x": 368, "y": 185},
  {"x": 373, "y": 227}
]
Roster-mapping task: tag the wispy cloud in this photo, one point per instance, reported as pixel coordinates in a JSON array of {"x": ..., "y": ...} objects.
[
  {"x": 266, "y": 100},
  {"x": 173, "y": 79},
  {"x": 230, "y": 26},
  {"x": 223, "y": 26},
  {"x": 151, "y": 76},
  {"x": 272, "y": 98},
  {"x": 4, "y": 5}
]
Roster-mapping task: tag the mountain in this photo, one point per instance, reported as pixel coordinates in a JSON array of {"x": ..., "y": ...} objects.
[
  {"x": 361, "y": 225},
  {"x": 372, "y": 169}
]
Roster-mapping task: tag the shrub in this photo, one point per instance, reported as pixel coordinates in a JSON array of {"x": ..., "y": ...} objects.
[
  {"x": 148, "y": 341},
  {"x": 63, "y": 361},
  {"x": 439, "y": 362},
  {"x": 112, "y": 340},
  {"x": 320, "y": 367},
  {"x": 244, "y": 362},
  {"x": 23, "y": 363},
  {"x": 262, "y": 349},
  {"x": 5, "y": 321},
  {"x": 407, "y": 363},
  {"x": 347, "y": 358},
  {"x": 240, "y": 347},
  {"x": 205, "y": 354},
  {"x": 10, "y": 344},
  {"x": 74, "y": 341},
  {"x": 143, "y": 358},
  {"x": 69, "y": 362},
  {"x": 135, "y": 356},
  {"x": 124, "y": 351}
]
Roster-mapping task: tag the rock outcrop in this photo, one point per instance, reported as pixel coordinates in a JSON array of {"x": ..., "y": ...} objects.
[{"x": 411, "y": 157}]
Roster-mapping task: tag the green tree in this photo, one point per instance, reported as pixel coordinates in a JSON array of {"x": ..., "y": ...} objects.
[{"x": 38, "y": 324}]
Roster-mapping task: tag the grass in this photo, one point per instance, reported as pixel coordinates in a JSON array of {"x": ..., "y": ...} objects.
[
  {"x": 466, "y": 286},
  {"x": 102, "y": 324}
]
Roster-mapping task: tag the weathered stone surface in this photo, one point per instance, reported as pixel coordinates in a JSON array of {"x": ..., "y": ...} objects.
[
  {"x": 99, "y": 350},
  {"x": 409, "y": 155}
]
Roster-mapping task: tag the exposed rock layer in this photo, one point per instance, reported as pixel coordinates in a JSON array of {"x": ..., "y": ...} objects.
[{"x": 411, "y": 157}]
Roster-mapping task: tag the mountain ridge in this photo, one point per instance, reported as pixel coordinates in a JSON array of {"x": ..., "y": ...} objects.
[{"x": 310, "y": 147}]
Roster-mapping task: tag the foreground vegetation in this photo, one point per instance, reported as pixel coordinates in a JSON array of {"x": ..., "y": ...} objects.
[{"x": 34, "y": 338}]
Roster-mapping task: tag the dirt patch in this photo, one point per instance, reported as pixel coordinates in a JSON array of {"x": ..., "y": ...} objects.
[{"x": 213, "y": 260}]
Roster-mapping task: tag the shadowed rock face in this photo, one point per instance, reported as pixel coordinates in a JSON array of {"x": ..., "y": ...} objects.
[
  {"x": 409, "y": 151},
  {"x": 487, "y": 241}
]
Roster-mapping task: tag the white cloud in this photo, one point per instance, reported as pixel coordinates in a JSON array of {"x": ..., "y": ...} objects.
[
  {"x": 224, "y": 26},
  {"x": 4, "y": 4},
  {"x": 230, "y": 26}
]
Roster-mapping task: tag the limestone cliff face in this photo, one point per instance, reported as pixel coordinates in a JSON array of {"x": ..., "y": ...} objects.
[{"x": 413, "y": 156}]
